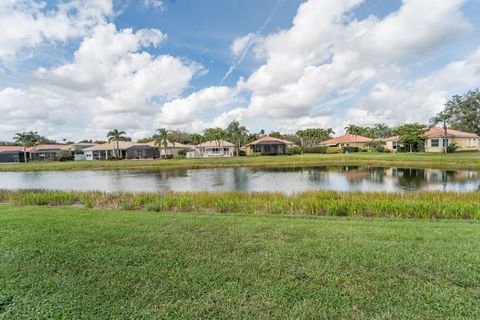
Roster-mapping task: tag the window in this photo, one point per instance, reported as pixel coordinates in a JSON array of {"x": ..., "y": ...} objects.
[
  {"x": 444, "y": 142},
  {"x": 472, "y": 142},
  {"x": 395, "y": 144},
  {"x": 434, "y": 143},
  {"x": 216, "y": 151}
]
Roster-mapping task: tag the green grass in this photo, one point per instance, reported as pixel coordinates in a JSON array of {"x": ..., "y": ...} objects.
[
  {"x": 73, "y": 263},
  {"x": 467, "y": 160},
  {"x": 420, "y": 205}
]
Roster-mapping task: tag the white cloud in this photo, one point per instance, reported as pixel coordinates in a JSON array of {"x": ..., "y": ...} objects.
[
  {"x": 240, "y": 45},
  {"x": 186, "y": 110},
  {"x": 327, "y": 52},
  {"x": 418, "y": 100},
  {"x": 328, "y": 57},
  {"x": 154, "y": 4},
  {"x": 27, "y": 24},
  {"x": 111, "y": 82}
]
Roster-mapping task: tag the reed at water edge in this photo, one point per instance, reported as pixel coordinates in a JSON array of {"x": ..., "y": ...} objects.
[{"x": 421, "y": 205}]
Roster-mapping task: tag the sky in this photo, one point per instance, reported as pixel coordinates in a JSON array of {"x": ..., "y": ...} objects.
[{"x": 75, "y": 69}]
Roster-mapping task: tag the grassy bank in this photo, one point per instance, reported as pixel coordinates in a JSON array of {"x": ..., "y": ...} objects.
[
  {"x": 420, "y": 205},
  {"x": 466, "y": 160},
  {"x": 76, "y": 263}
]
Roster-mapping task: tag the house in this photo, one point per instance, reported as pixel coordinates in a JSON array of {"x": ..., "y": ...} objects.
[
  {"x": 434, "y": 140},
  {"x": 107, "y": 150},
  {"x": 392, "y": 143},
  {"x": 172, "y": 148},
  {"x": 214, "y": 148},
  {"x": 348, "y": 140},
  {"x": 267, "y": 146},
  {"x": 46, "y": 152},
  {"x": 12, "y": 154},
  {"x": 132, "y": 150}
]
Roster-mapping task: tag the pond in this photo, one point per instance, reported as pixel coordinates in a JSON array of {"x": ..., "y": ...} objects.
[{"x": 288, "y": 180}]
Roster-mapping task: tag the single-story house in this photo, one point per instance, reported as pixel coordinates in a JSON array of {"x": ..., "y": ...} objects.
[
  {"x": 213, "y": 148},
  {"x": 107, "y": 150},
  {"x": 172, "y": 148},
  {"x": 132, "y": 150},
  {"x": 348, "y": 140},
  {"x": 12, "y": 154},
  {"x": 434, "y": 140},
  {"x": 267, "y": 146},
  {"x": 46, "y": 152}
]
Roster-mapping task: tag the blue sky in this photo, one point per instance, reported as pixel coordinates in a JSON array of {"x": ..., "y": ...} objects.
[{"x": 75, "y": 69}]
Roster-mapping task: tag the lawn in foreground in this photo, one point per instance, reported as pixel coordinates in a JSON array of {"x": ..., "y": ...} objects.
[{"x": 87, "y": 263}]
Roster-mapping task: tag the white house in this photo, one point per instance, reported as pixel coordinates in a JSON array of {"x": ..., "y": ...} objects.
[{"x": 214, "y": 148}]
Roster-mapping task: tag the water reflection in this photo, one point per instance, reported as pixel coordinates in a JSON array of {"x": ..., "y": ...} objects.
[{"x": 289, "y": 180}]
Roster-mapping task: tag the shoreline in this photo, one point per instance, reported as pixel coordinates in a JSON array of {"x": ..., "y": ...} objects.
[{"x": 467, "y": 161}]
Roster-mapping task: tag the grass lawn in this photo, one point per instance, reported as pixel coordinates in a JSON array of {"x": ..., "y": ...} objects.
[
  {"x": 467, "y": 160},
  {"x": 71, "y": 263}
]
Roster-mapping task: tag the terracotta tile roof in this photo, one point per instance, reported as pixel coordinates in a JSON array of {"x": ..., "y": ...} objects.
[
  {"x": 439, "y": 133},
  {"x": 348, "y": 138},
  {"x": 10, "y": 148},
  {"x": 267, "y": 139},
  {"x": 215, "y": 144}
]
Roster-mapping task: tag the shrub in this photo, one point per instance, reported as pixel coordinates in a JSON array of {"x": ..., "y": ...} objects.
[
  {"x": 64, "y": 155},
  {"x": 315, "y": 149},
  {"x": 452, "y": 147},
  {"x": 293, "y": 150},
  {"x": 376, "y": 146},
  {"x": 331, "y": 150},
  {"x": 350, "y": 149},
  {"x": 183, "y": 153}
]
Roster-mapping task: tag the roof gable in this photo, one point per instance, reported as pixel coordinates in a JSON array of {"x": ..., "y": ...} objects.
[
  {"x": 269, "y": 139},
  {"x": 348, "y": 138}
]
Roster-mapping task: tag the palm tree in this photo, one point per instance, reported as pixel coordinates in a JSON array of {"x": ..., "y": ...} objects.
[
  {"x": 161, "y": 138},
  {"x": 353, "y": 130},
  {"x": 196, "y": 138},
  {"x": 117, "y": 136},
  {"x": 443, "y": 118},
  {"x": 236, "y": 133},
  {"x": 23, "y": 138}
]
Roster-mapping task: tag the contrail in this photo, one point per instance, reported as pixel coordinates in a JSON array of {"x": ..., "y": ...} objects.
[{"x": 251, "y": 42}]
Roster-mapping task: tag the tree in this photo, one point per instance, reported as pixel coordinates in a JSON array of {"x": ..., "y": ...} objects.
[
  {"x": 236, "y": 133},
  {"x": 355, "y": 131},
  {"x": 196, "y": 138},
  {"x": 314, "y": 136},
  {"x": 276, "y": 134},
  {"x": 444, "y": 118},
  {"x": 411, "y": 134},
  {"x": 23, "y": 139},
  {"x": 117, "y": 136},
  {"x": 161, "y": 139},
  {"x": 214, "y": 134},
  {"x": 381, "y": 131},
  {"x": 464, "y": 111},
  {"x": 178, "y": 136}
]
